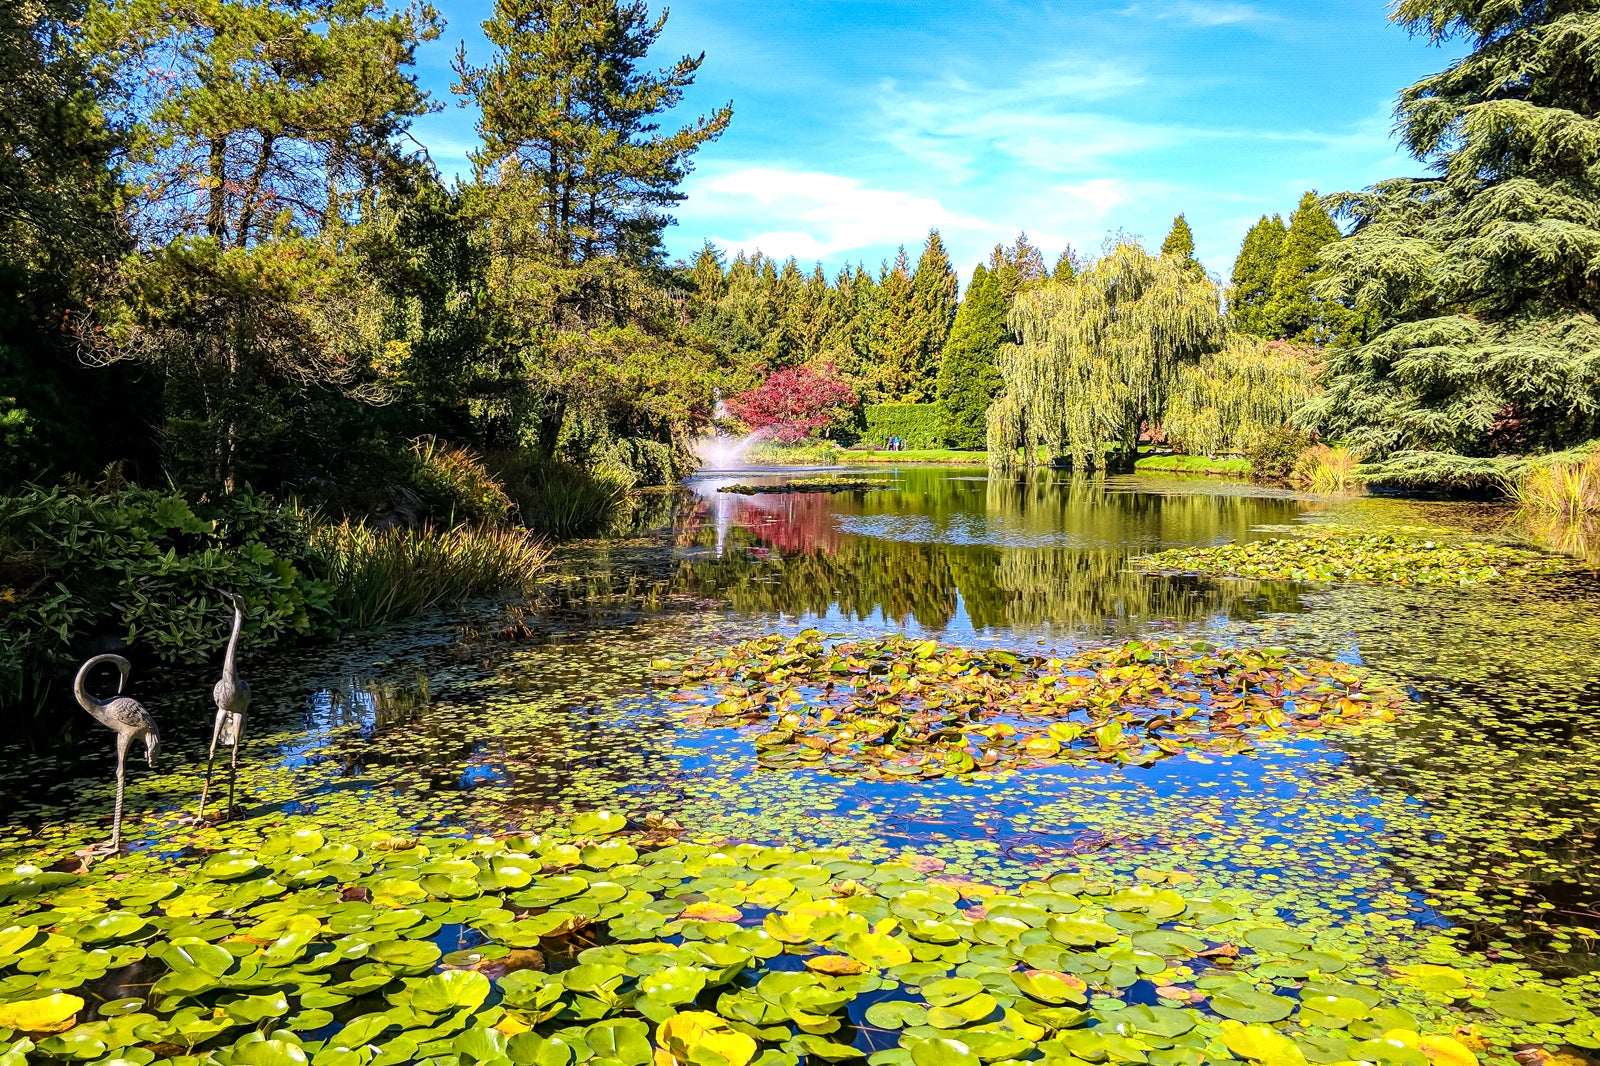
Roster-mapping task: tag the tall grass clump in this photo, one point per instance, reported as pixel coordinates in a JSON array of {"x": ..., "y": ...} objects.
[
  {"x": 456, "y": 486},
  {"x": 1328, "y": 470},
  {"x": 561, "y": 500},
  {"x": 1560, "y": 488},
  {"x": 381, "y": 575}
]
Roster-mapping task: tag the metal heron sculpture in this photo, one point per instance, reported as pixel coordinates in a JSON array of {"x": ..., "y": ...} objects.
[
  {"x": 232, "y": 695},
  {"x": 131, "y": 722}
]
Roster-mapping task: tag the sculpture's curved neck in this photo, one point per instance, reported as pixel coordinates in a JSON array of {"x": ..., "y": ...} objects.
[
  {"x": 80, "y": 687},
  {"x": 229, "y": 672}
]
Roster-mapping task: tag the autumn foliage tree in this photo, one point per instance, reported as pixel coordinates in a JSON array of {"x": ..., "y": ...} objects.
[{"x": 796, "y": 403}]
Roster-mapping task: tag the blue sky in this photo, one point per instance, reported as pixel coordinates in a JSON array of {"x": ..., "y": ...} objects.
[{"x": 858, "y": 124}]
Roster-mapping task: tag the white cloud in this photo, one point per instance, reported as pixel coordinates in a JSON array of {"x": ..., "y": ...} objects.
[
  {"x": 1202, "y": 13},
  {"x": 813, "y": 215}
]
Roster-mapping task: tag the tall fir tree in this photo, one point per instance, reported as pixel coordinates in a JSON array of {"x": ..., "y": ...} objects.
[
  {"x": 897, "y": 336},
  {"x": 1017, "y": 266},
  {"x": 1250, "y": 288},
  {"x": 1067, "y": 266},
  {"x": 1180, "y": 245},
  {"x": 1296, "y": 309},
  {"x": 969, "y": 378},
  {"x": 934, "y": 290}
]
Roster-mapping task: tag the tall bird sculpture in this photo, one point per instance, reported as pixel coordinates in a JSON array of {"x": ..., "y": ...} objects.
[
  {"x": 131, "y": 722},
  {"x": 232, "y": 695}
]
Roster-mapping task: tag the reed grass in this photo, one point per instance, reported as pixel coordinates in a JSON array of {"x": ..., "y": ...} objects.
[
  {"x": 1327, "y": 470},
  {"x": 382, "y": 575},
  {"x": 1560, "y": 488}
]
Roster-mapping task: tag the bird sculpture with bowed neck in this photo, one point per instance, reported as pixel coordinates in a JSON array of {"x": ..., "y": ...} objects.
[
  {"x": 132, "y": 724},
  {"x": 232, "y": 696}
]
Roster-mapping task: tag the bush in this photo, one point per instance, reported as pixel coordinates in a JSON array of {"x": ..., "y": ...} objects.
[
  {"x": 149, "y": 568},
  {"x": 1273, "y": 453},
  {"x": 1325, "y": 469},
  {"x": 919, "y": 425},
  {"x": 561, "y": 500},
  {"x": 382, "y": 575},
  {"x": 454, "y": 485}
]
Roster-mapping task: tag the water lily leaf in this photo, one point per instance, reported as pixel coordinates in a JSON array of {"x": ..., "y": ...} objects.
[
  {"x": 1269, "y": 938},
  {"x": 598, "y": 823},
  {"x": 674, "y": 984},
  {"x": 194, "y": 954},
  {"x": 1165, "y": 1022},
  {"x": 874, "y": 949},
  {"x": 47, "y": 1014},
  {"x": 951, "y": 990},
  {"x": 1079, "y": 930},
  {"x": 252, "y": 1009},
  {"x": 267, "y": 1053},
  {"x": 1050, "y": 987},
  {"x": 895, "y": 1014},
  {"x": 1528, "y": 1005},
  {"x": 822, "y": 1048},
  {"x": 1261, "y": 1043},
  {"x": 966, "y": 1012},
  {"x": 1446, "y": 1051},
  {"x": 115, "y": 926},
  {"x": 711, "y": 912},
  {"x": 688, "y": 1039},
  {"x": 15, "y": 938},
  {"x": 837, "y": 965},
  {"x": 450, "y": 990},
  {"x": 231, "y": 865},
  {"x": 941, "y": 1051},
  {"x": 1249, "y": 1005}
]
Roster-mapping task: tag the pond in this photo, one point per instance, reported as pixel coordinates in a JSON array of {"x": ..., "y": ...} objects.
[{"x": 1469, "y": 826}]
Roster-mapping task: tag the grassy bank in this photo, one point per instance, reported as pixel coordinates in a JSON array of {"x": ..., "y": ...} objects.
[
  {"x": 1192, "y": 464},
  {"x": 932, "y": 456}
]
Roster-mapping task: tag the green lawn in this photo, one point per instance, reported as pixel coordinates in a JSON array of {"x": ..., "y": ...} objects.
[
  {"x": 1191, "y": 464},
  {"x": 939, "y": 456}
]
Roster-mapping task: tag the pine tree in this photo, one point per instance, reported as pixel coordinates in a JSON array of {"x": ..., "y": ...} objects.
[
  {"x": 1295, "y": 311},
  {"x": 968, "y": 377},
  {"x": 1253, "y": 271},
  {"x": 706, "y": 276},
  {"x": 573, "y": 155},
  {"x": 934, "y": 291},
  {"x": 1180, "y": 245}
]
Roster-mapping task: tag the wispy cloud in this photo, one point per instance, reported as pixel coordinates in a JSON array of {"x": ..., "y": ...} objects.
[{"x": 1203, "y": 13}]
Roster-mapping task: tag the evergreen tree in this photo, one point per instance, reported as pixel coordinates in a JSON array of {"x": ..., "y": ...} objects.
[
  {"x": 706, "y": 276},
  {"x": 934, "y": 291},
  {"x": 1180, "y": 245},
  {"x": 1253, "y": 271},
  {"x": 1017, "y": 266},
  {"x": 968, "y": 377},
  {"x": 1067, "y": 267},
  {"x": 1296, "y": 310},
  {"x": 897, "y": 337},
  {"x": 573, "y": 155},
  {"x": 1476, "y": 282}
]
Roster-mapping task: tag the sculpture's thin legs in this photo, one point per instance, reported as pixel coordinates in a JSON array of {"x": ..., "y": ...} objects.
[
  {"x": 116, "y": 816},
  {"x": 233, "y": 770},
  {"x": 206, "y": 788}
]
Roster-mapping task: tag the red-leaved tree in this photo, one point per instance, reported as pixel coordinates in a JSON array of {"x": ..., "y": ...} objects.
[{"x": 796, "y": 403}]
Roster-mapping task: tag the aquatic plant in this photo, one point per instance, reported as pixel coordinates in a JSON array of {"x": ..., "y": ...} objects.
[
  {"x": 826, "y": 483},
  {"x": 1326, "y": 469},
  {"x": 1328, "y": 554},
  {"x": 316, "y": 945},
  {"x": 379, "y": 575},
  {"x": 1561, "y": 488},
  {"x": 898, "y": 707},
  {"x": 561, "y": 500}
]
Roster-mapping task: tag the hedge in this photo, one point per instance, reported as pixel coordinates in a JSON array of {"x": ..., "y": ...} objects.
[{"x": 919, "y": 425}]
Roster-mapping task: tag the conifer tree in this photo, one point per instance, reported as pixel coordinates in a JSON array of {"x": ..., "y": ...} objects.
[
  {"x": 968, "y": 377},
  {"x": 897, "y": 337},
  {"x": 1067, "y": 266},
  {"x": 1295, "y": 310},
  {"x": 1017, "y": 266},
  {"x": 1476, "y": 281},
  {"x": 1180, "y": 245},
  {"x": 934, "y": 290},
  {"x": 573, "y": 154},
  {"x": 1251, "y": 286}
]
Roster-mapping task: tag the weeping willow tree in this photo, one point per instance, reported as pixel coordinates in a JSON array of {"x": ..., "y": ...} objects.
[
  {"x": 1098, "y": 356},
  {"x": 1228, "y": 397}
]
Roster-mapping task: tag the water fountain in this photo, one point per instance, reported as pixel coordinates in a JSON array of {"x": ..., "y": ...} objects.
[{"x": 723, "y": 450}]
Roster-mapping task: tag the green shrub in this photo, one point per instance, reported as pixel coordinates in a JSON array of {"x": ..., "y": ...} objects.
[
  {"x": 148, "y": 567},
  {"x": 1274, "y": 452},
  {"x": 919, "y": 425},
  {"x": 561, "y": 500},
  {"x": 455, "y": 486},
  {"x": 800, "y": 453},
  {"x": 383, "y": 575}
]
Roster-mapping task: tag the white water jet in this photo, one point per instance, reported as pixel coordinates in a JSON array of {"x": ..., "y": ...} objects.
[{"x": 722, "y": 450}]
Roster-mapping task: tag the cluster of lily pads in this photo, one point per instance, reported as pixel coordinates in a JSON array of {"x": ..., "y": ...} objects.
[
  {"x": 1335, "y": 553},
  {"x": 596, "y": 946},
  {"x": 902, "y": 707},
  {"x": 820, "y": 483}
]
